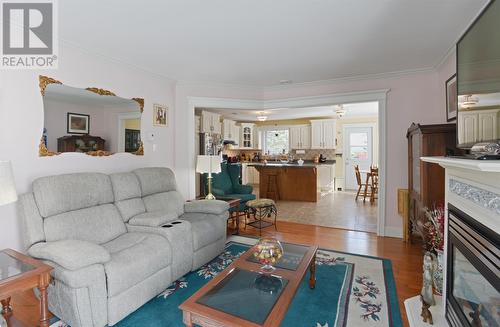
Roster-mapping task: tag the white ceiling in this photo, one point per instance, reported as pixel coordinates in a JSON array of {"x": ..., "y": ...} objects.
[
  {"x": 68, "y": 94},
  {"x": 353, "y": 110},
  {"x": 262, "y": 42}
]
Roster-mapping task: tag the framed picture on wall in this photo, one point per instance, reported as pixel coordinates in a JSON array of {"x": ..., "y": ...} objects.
[
  {"x": 160, "y": 115},
  {"x": 78, "y": 123},
  {"x": 451, "y": 98}
]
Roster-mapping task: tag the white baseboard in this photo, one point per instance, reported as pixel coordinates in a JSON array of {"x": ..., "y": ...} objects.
[{"x": 393, "y": 231}]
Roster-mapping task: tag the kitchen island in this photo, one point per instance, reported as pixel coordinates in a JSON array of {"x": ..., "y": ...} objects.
[{"x": 288, "y": 181}]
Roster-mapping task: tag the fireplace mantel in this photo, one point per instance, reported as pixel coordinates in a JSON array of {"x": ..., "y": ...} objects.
[{"x": 472, "y": 186}]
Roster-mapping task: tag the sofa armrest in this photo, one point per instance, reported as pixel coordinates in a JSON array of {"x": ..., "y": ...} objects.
[
  {"x": 153, "y": 219},
  {"x": 215, "y": 207},
  {"x": 70, "y": 254},
  {"x": 243, "y": 189}
]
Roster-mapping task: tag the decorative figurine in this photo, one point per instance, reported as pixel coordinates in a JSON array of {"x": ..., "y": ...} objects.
[{"x": 427, "y": 294}]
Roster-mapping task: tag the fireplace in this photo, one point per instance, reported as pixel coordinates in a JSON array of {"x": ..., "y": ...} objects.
[{"x": 473, "y": 273}]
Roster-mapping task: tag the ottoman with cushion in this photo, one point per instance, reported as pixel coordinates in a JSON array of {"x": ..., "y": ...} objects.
[
  {"x": 261, "y": 209},
  {"x": 103, "y": 235}
]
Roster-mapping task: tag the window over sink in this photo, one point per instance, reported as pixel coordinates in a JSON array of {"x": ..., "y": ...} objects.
[{"x": 277, "y": 141}]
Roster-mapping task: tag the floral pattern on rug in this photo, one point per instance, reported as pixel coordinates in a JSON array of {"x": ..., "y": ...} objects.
[
  {"x": 323, "y": 258},
  {"x": 366, "y": 293},
  {"x": 217, "y": 265},
  {"x": 178, "y": 284}
]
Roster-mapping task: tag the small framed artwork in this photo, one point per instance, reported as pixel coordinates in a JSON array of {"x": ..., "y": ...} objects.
[
  {"x": 78, "y": 123},
  {"x": 451, "y": 98},
  {"x": 160, "y": 115}
]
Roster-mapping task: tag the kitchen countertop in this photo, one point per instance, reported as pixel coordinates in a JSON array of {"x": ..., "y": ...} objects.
[{"x": 307, "y": 164}]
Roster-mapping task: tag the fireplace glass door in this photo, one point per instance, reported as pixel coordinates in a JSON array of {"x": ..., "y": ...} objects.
[{"x": 473, "y": 275}]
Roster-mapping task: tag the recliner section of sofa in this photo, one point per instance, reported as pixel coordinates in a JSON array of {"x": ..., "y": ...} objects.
[{"x": 115, "y": 241}]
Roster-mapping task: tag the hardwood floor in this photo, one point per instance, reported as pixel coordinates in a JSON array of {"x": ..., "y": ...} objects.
[{"x": 406, "y": 259}]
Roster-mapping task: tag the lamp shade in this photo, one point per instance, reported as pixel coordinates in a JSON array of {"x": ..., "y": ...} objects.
[
  {"x": 208, "y": 164},
  {"x": 7, "y": 187}
]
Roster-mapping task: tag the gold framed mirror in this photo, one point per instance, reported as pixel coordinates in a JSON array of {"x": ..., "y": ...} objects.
[{"x": 92, "y": 121}]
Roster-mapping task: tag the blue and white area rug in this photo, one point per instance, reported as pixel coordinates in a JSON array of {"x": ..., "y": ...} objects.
[{"x": 351, "y": 290}]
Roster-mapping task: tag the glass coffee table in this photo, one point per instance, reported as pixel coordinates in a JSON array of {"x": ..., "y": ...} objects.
[{"x": 243, "y": 296}]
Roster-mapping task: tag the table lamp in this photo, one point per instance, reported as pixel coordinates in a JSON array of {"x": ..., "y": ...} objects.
[
  {"x": 208, "y": 164},
  {"x": 7, "y": 187}
]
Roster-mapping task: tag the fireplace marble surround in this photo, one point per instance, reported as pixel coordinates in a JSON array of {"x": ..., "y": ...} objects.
[{"x": 473, "y": 187}]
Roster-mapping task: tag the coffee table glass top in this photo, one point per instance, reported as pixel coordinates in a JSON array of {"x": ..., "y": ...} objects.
[
  {"x": 10, "y": 266},
  {"x": 245, "y": 294},
  {"x": 291, "y": 259}
]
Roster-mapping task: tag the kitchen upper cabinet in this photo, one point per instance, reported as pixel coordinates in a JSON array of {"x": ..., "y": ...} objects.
[
  {"x": 323, "y": 134},
  {"x": 210, "y": 123},
  {"x": 247, "y": 135},
  {"x": 478, "y": 125},
  {"x": 300, "y": 137},
  {"x": 230, "y": 131}
]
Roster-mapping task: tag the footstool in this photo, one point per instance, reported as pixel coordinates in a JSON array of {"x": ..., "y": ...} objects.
[{"x": 261, "y": 209}]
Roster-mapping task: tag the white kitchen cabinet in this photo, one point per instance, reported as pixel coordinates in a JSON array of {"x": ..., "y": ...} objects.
[
  {"x": 478, "y": 125},
  {"x": 247, "y": 135},
  {"x": 230, "y": 131},
  {"x": 256, "y": 176},
  {"x": 300, "y": 137},
  {"x": 323, "y": 133},
  {"x": 210, "y": 122},
  {"x": 488, "y": 125},
  {"x": 249, "y": 175},
  {"x": 326, "y": 177}
]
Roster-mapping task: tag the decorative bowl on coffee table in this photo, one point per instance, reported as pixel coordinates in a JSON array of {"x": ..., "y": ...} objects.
[{"x": 268, "y": 251}]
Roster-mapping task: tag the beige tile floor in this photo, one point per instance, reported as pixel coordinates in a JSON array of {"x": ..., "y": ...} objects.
[{"x": 333, "y": 209}]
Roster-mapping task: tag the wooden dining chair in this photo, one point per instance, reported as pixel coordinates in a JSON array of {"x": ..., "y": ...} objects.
[
  {"x": 374, "y": 184},
  {"x": 361, "y": 185}
]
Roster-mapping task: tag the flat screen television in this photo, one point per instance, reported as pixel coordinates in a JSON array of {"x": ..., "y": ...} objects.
[{"x": 477, "y": 97}]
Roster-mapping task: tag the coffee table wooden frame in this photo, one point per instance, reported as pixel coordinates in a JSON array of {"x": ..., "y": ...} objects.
[
  {"x": 195, "y": 313},
  {"x": 39, "y": 277}
]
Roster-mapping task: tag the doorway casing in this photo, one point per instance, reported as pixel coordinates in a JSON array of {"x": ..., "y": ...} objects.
[{"x": 379, "y": 96}]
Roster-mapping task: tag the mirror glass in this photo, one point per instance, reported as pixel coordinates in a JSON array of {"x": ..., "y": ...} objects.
[
  {"x": 478, "y": 83},
  {"x": 79, "y": 120}
]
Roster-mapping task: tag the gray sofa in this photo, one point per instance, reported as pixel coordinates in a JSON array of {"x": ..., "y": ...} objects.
[{"x": 117, "y": 240}]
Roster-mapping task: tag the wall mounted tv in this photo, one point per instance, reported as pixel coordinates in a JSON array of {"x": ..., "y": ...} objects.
[{"x": 478, "y": 80}]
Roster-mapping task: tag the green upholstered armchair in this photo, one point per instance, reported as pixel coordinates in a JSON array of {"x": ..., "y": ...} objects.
[{"x": 226, "y": 184}]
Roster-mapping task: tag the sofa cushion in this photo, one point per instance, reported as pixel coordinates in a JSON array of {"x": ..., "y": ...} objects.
[
  {"x": 206, "y": 229},
  {"x": 167, "y": 202},
  {"x": 63, "y": 193},
  {"x": 125, "y": 186},
  {"x": 153, "y": 219},
  {"x": 99, "y": 224},
  {"x": 130, "y": 208},
  {"x": 134, "y": 258},
  {"x": 156, "y": 180}
]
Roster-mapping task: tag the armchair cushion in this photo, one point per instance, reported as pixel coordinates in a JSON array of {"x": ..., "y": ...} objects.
[
  {"x": 242, "y": 189},
  {"x": 153, "y": 219},
  {"x": 70, "y": 254},
  {"x": 214, "y": 207},
  {"x": 218, "y": 192}
]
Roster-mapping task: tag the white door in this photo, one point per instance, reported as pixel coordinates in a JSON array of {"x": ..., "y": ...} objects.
[{"x": 358, "y": 150}]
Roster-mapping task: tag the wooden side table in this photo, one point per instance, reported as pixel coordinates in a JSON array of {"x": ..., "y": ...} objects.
[{"x": 19, "y": 272}]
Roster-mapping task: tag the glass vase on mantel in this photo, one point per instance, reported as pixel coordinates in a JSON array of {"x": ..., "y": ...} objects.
[{"x": 438, "y": 273}]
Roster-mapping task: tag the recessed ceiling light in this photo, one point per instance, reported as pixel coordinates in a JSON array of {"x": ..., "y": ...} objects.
[{"x": 285, "y": 81}]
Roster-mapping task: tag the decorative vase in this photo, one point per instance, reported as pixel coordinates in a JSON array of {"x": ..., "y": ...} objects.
[
  {"x": 438, "y": 273},
  {"x": 268, "y": 252}
]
